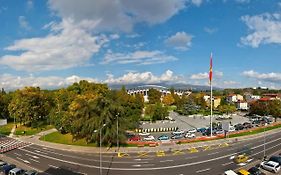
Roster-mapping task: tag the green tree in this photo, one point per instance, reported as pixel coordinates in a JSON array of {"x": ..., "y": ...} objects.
[{"x": 154, "y": 96}]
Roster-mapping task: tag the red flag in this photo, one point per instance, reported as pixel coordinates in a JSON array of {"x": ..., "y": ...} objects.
[{"x": 211, "y": 68}]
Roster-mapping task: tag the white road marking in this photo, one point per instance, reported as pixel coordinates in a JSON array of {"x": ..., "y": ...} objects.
[
  {"x": 213, "y": 153},
  {"x": 40, "y": 152},
  {"x": 25, "y": 161},
  {"x": 191, "y": 157},
  {"x": 35, "y": 157},
  {"x": 17, "y": 154},
  {"x": 136, "y": 165},
  {"x": 53, "y": 166},
  {"x": 34, "y": 160},
  {"x": 232, "y": 157},
  {"x": 166, "y": 160},
  {"x": 200, "y": 171},
  {"x": 224, "y": 164},
  {"x": 153, "y": 168}
]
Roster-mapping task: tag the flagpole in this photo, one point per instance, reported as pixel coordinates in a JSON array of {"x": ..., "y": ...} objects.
[{"x": 211, "y": 74}]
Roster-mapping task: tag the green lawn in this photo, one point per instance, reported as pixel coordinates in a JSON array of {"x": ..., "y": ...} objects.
[
  {"x": 172, "y": 108},
  {"x": 57, "y": 137},
  {"x": 6, "y": 130},
  {"x": 30, "y": 131}
]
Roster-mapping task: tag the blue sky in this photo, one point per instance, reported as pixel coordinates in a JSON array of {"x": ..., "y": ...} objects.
[{"x": 55, "y": 43}]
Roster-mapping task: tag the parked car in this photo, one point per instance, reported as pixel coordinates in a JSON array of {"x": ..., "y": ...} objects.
[
  {"x": 271, "y": 166},
  {"x": 144, "y": 134},
  {"x": 255, "y": 171},
  {"x": 177, "y": 137},
  {"x": 275, "y": 159},
  {"x": 135, "y": 138},
  {"x": 2, "y": 164},
  {"x": 31, "y": 172},
  {"x": 247, "y": 125},
  {"x": 201, "y": 130},
  {"x": 5, "y": 169},
  {"x": 193, "y": 130},
  {"x": 16, "y": 171},
  {"x": 149, "y": 138},
  {"x": 178, "y": 132},
  {"x": 243, "y": 172},
  {"x": 241, "y": 158},
  {"x": 220, "y": 131},
  {"x": 208, "y": 132},
  {"x": 189, "y": 135},
  {"x": 163, "y": 137},
  {"x": 231, "y": 129},
  {"x": 230, "y": 172},
  {"x": 238, "y": 127}
]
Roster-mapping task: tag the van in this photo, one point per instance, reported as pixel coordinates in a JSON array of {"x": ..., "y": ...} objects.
[
  {"x": 230, "y": 172},
  {"x": 16, "y": 171}
]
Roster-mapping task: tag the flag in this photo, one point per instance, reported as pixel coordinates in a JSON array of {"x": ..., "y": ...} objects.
[{"x": 211, "y": 68}]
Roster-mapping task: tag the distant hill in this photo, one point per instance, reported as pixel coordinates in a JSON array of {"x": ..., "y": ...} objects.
[{"x": 168, "y": 85}]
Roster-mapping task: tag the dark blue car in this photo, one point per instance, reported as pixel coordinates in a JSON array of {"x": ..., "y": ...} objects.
[{"x": 5, "y": 169}]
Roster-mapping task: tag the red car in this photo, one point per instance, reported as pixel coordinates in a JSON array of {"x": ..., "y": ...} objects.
[{"x": 135, "y": 138}]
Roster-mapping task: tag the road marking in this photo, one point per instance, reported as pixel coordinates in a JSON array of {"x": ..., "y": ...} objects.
[
  {"x": 192, "y": 157},
  {"x": 35, "y": 157},
  {"x": 166, "y": 161},
  {"x": 224, "y": 164},
  {"x": 153, "y": 168},
  {"x": 17, "y": 154},
  {"x": 53, "y": 166},
  {"x": 138, "y": 165},
  {"x": 248, "y": 144},
  {"x": 34, "y": 160},
  {"x": 213, "y": 153},
  {"x": 41, "y": 152},
  {"x": 200, "y": 171},
  {"x": 25, "y": 161}
]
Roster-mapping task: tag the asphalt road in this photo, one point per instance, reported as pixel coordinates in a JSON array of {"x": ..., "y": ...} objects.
[{"x": 214, "y": 161}]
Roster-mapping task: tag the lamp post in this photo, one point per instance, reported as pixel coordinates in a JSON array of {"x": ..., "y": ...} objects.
[
  {"x": 117, "y": 131},
  {"x": 100, "y": 146}
]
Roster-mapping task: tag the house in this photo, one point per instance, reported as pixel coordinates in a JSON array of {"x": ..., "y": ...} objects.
[
  {"x": 242, "y": 105},
  {"x": 250, "y": 97},
  {"x": 216, "y": 101},
  {"x": 272, "y": 96},
  {"x": 233, "y": 98}
]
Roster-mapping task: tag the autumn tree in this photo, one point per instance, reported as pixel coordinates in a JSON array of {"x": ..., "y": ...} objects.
[{"x": 168, "y": 100}]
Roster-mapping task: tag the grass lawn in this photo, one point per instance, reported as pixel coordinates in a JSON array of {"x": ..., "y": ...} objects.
[
  {"x": 6, "y": 130},
  {"x": 172, "y": 108},
  {"x": 31, "y": 131},
  {"x": 57, "y": 137}
]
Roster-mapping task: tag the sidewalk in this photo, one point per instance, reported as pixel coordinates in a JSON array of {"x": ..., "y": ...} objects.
[{"x": 84, "y": 149}]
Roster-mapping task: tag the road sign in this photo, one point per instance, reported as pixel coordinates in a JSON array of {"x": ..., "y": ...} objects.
[
  {"x": 3, "y": 122},
  {"x": 225, "y": 126}
]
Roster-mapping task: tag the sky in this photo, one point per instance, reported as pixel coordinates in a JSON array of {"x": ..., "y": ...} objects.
[{"x": 54, "y": 43}]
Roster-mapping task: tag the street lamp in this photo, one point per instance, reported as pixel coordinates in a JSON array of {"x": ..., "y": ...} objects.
[
  {"x": 100, "y": 147},
  {"x": 117, "y": 132}
]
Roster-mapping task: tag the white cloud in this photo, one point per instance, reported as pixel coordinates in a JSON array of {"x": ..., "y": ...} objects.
[
  {"x": 205, "y": 75},
  {"x": 68, "y": 45},
  {"x": 138, "y": 57},
  {"x": 230, "y": 83},
  {"x": 199, "y": 76},
  {"x": 180, "y": 41},
  {"x": 23, "y": 23},
  {"x": 12, "y": 82},
  {"x": 118, "y": 14},
  {"x": 144, "y": 77},
  {"x": 265, "y": 28},
  {"x": 114, "y": 36},
  {"x": 210, "y": 30},
  {"x": 269, "y": 77},
  {"x": 197, "y": 2}
]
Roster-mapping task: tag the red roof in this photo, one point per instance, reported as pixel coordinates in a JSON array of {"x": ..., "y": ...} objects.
[{"x": 264, "y": 99}]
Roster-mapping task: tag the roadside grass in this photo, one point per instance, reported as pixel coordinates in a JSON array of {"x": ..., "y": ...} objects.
[
  {"x": 6, "y": 129},
  {"x": 24, "y": 130},
  {"x": 172, "y": 108},
  {"x": 57, "y": 137}
]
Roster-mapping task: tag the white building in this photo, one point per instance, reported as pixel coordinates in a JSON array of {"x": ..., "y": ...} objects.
[
  {"x": 242, "y": 105},
  {"x": 250, "y": 97},
  {"x": 233, "y": 98}
]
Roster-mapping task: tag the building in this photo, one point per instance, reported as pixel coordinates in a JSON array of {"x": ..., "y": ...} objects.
[
  {"x": 242, "y": 105},
  {"x": 272, "y": 96},
  {"x": 250, "y": 97},
  {"x": 216, "y": 100},
  {"x": 233, "y": 98},
  {"x": 143, "y": 90}
]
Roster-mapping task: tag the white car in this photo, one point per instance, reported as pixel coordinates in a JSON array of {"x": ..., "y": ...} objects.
[
  {"x": 149, "y": 138},
  {"x": 193, "y": 130},
  {"x": 230, "y": 172},
  {"x": 178, "y": 132},
  {"x": 271, "y": 166},
  {"x": 189, "y": 135},
  {"x": 144, "y": 134},
  {"x": 231, "y": 129}
]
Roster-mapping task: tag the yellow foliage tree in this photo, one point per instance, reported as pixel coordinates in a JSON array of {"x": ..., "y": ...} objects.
[{"x": 168, "y": 100}]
